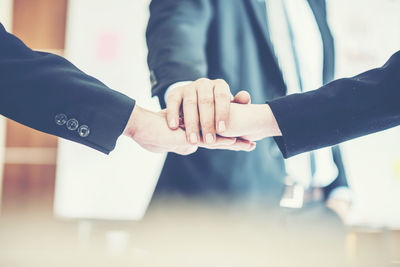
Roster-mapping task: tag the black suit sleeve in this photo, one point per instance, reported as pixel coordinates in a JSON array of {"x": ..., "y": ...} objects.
[
  {"x": 35, "y": 87},
  {"x": 341, "y": 110},
  {"x": 176, "y": 38}
]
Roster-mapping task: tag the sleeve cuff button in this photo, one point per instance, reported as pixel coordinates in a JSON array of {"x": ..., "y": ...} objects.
[
  {"x": 61, "y": 119},
  {"x": 72, "y": 124},
  {"x": 83, "y": 131}
]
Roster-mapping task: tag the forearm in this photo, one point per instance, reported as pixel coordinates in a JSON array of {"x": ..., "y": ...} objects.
[
  {"x": 35, "y": 87},
  {"x": 341, "y": 110},
  {"x": 252, "y": 121}
]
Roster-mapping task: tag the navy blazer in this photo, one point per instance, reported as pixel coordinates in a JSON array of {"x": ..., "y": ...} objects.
[
  {"x": 190, "y": 39},
  {"x": 48, "y": 93},
  {"x": 339, "y": 111}
]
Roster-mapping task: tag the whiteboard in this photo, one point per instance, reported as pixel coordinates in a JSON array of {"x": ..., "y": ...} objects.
[{"x": 106, "y": 39}]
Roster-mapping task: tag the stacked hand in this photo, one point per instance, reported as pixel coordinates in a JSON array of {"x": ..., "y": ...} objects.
[
  {"x": 149, "y": 129},
  {"x": 213, "y": 119},
  {"x": 251, "y": 122}
]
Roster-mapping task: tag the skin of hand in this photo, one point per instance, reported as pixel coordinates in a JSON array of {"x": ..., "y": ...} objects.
[
  {"x": 150, "y": 130},
  {"x": 251, "y": 122},
  {"x": 206, "y": 105}
]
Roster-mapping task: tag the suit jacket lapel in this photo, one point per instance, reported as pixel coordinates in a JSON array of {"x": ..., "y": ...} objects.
[
  {"x": 258, "y": 10},
  {"x": 318, "y": 8}
]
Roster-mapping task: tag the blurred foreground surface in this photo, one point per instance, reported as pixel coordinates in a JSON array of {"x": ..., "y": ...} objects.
[{"x": 181, "y": 232}]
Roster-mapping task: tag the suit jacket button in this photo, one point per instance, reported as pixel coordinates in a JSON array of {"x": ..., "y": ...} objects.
[
  {"x": 153, "y": 79},
  {"x": 83, "y": 131},
  {"x": 72, "y": 124},
  {"x": 61, "y": 119}
]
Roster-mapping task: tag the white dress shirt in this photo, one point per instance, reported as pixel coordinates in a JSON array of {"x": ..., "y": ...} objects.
[{"x": 296, "y": 16}]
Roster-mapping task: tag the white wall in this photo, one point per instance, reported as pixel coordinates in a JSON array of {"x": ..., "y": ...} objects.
[
  {"x": 5, "y": 19},
  {"x": 366, "y": 34},
  {"x": 107, "y": 40},
  {"x": 6, "y": 13},
  {"x": 92, "y": 185}
]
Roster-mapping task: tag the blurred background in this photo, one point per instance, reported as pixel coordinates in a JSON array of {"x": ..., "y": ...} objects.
[{"x": 65, "y": 205}]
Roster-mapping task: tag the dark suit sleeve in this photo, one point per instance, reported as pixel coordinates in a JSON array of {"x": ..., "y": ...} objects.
[
  {"x": 341, "y": 110},
  {"x": 35, "y": 87},
  {"x": 176, "y": 38}
]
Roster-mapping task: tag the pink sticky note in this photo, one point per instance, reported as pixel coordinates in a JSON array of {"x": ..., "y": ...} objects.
[{"x": 108, "y": 46}]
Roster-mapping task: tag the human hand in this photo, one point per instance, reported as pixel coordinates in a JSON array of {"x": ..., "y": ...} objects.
[
  {"x": 206, "y": 106},
  {"x": 251, "y": 122},
  {"x": 149, "y": 129}
]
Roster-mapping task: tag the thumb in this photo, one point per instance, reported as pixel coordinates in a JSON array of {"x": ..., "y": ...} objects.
[{"x": 243, "y": 97}]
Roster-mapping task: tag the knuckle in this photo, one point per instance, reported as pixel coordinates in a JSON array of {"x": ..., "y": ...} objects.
[
  {"x": 222, "y": 94},
  {"x": 175, "y": 92},
  {"x": 189, "y": 90},
  {"x": 221, "y": 116},
  {"x": 190, "y": 128},
  {"x": 172, "y": 99},
  {"x": 206, "y": 100},
  {"x": 190, "y": 123},
  {"x": 207, "y": 127},
  {"x": 221, "y": 82},
  {"x": 190, "y": 101},
  {"x": 204, "y": 82},
  {"x": 207, "y": 122}
]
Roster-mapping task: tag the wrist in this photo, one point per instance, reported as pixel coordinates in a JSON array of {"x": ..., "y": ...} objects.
[
  {"x": 253, "y": 121},
  {"x": 131, "y": 127},
  {"x": 271, "y": 125}
]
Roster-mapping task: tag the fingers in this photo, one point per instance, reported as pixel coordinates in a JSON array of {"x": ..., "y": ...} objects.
[
  {"x": 174, "y": 140},
  {"x": 224, "y": 141},
  {"x": 241, "y": 145},
  {"x": 206, "y": 107},
  {"x": 191, "y": 114},
  {"x": 243, "y": 142},
  {"x": 243, "y": 97},
  {"x": 186, "y": 150},
  {"x": 235, "y": 147},
  {"x": 157, "y": 137},
  {"x": 174, "y": 101},
  {"x": 222, "y": 98},
  {"x": 205, "y": 96},
  {"x": 235, "y": 144}
]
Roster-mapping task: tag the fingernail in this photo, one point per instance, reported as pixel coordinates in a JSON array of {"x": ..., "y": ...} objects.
[
  {"x": 172, "y": 123},
  {"x": 193, "y": 138},
  {"x": 209, "y": 138},
  {"x": 221, "y": 126}
]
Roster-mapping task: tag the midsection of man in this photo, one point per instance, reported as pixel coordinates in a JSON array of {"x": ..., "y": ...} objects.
[
  {"x": 234, "y": 48},
  {"x": 219, "y": 40}
]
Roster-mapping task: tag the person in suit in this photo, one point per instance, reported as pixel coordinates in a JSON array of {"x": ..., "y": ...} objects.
[
  {"x": 338, "y": 111},
  {"x": 196, "y": 45},
  {"x": 48, "y": 93}
]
